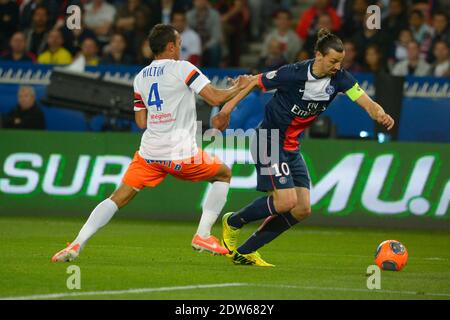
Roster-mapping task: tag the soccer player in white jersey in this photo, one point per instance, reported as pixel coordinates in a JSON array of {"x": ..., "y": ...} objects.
[{"x": 164, "y": 104}]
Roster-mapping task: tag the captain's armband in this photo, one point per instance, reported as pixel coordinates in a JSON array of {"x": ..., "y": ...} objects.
[{"x": 355, "y": 92}]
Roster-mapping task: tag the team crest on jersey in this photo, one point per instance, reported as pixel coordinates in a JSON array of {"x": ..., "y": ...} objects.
[
  {"x": 329, "y": 90},
  {"x": 283, "y": 180},
  {"x": 270, "y": 75}
]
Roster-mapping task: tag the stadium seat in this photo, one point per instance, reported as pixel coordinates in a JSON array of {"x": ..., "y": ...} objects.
[
  {"x": 9, "y": 98},
  {"x": 97, "y": 124},
  {"x": 59, "y": 119}
]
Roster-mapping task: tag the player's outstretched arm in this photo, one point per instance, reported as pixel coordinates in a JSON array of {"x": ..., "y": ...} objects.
[
  {"x": 222, "y": 119},
  {"x": 231, "y": 104},
  {"x": 215, "y": 96},
  {"x": 375, "y": 111}
]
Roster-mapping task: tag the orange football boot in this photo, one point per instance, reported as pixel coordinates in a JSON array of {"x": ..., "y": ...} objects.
[
  {"x": 70, "y": 253},
  {"x": 210, "y": 244}
]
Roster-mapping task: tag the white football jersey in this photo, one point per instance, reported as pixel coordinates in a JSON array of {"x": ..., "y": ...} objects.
[{"x": 167, "y": 88}]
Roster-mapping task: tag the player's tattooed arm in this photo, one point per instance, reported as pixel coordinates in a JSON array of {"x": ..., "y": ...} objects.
[
  {"x": 215, "y": 96},
  {"x": 141, "y": 118},
  {"x": 222, "y": 119},
  {"x": 375, "y": 111}
]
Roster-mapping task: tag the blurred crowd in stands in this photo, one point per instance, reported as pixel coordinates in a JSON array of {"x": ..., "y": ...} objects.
[{"x": 414, "y": 36}]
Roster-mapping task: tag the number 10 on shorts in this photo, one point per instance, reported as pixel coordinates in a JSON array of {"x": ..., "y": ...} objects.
[{"x": 284, "y": 168}]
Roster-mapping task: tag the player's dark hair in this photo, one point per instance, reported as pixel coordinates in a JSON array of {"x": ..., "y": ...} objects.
[
  {"x": 160, "y": 36},
  {"x": 326, "y": 41}
]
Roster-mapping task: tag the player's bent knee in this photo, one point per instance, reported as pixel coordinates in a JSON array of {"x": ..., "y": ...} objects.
[
  {"x": 301, "y": 213},
  {"x": 285, "y": 205},
  {"x": 227, "y": 174},
  {"x": 224, "y": 174}
]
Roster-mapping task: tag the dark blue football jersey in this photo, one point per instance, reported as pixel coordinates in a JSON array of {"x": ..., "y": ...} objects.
[{"x": 300, "y": 98}]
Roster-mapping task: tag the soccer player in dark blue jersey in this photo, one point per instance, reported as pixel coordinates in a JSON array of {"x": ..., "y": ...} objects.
[{"x": 303, "y": 91}]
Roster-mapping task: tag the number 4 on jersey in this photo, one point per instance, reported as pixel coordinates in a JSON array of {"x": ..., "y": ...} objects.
[{"x": 153, "y": 97}]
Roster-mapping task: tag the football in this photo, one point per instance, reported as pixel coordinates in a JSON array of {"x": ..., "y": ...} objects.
[{"x": 391, "y": 255}]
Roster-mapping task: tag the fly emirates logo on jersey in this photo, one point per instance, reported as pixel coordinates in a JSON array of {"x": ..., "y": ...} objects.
[{"x": 312, "y": 109}]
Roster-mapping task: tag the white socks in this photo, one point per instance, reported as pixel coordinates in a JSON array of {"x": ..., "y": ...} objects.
[
  {"x": 105, "y": 210},
  {"x": 213, "y": 205},
  {"x": 101, "y": 215}
]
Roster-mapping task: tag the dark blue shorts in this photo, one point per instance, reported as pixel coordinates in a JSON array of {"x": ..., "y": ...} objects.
[{"x": 288, "y": 170}]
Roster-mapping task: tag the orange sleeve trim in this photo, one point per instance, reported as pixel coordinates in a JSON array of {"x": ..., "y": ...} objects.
[{"x": 190, "y": 76}]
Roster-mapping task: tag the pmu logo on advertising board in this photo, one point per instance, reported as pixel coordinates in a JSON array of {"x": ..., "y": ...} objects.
[{"x": 355, "y": 180}]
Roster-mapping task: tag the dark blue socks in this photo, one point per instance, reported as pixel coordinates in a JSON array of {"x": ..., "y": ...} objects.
[
  {"x": 258, "y": 209},
  {"x": 270, "y": 229},
  {"x": 273, "y": 226}
]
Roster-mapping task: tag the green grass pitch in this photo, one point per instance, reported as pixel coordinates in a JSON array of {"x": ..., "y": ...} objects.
[{"x": 311, "y": 263}]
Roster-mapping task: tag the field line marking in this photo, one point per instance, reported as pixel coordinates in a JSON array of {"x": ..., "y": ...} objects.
[
  {"x": 352, "y": 290},
  {"x": 217, "y": 285},
  {"x": 127, "y": 291}
]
